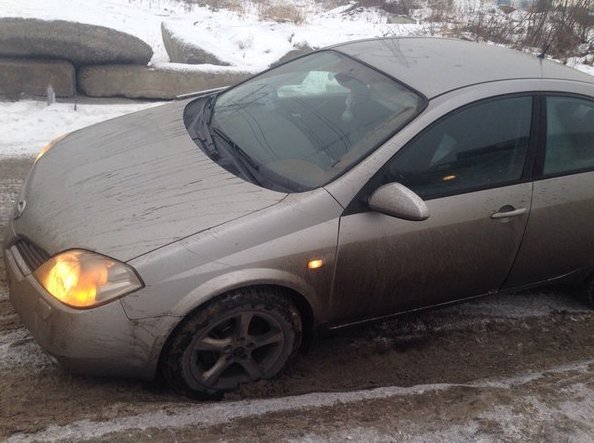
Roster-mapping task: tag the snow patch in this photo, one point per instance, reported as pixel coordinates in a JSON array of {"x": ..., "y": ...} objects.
[
  {"x": 207, "y": 69},
  {"x": 27, "y": 125},
  {"x": 584, "y": 68}
]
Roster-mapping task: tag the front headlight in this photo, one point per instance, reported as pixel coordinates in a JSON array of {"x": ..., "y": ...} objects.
[{"x": 83, "y": 279}]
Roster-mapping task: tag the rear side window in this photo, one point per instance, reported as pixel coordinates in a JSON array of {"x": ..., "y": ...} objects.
[
  {"x": 570, "y": 135},
  {"x": 481, "y": 146}
]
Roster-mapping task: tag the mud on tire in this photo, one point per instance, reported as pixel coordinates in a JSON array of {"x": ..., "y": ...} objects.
[{"x": 242, "y": 336}]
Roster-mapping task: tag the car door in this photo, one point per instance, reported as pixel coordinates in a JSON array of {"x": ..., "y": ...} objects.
[
  {"x": 471, "y": 168},
  {"x": 559, "y": 239}
]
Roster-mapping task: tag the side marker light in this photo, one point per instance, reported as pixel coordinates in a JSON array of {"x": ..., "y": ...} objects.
[{"x": 315, "y": 263}]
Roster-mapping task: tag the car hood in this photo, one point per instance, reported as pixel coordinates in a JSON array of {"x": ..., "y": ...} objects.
[{"x": 130, "y": 185}]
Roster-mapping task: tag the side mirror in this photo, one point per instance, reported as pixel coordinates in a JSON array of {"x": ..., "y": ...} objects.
[{"x": 398, "y": 201}]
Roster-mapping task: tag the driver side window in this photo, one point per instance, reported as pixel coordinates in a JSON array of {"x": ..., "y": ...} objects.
[{"x": 480, "y": 146}]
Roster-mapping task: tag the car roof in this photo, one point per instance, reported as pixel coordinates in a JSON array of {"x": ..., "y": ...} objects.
[{"x": 434, "y": 66}]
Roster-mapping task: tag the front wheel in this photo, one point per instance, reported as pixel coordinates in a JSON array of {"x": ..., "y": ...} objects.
[
  {"x": 241, "y": 337},
  {"x": 590, "y": 291}
]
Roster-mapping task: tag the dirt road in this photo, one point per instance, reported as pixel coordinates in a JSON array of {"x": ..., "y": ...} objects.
[{"x": 510, "y": 368}]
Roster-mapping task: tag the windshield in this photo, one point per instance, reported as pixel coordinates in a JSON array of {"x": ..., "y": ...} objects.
[{"x": 301, "y": 125}]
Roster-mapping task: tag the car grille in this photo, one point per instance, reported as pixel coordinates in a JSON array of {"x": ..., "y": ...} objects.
[{"x": 32, "y": 255}]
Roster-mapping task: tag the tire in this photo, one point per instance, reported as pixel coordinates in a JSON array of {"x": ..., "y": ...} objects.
[
  {"x": 240, "y": 337},
  {"x": 590, "y": 292}
]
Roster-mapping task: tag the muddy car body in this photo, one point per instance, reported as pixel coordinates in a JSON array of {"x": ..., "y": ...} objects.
[{"x": 210, "y": 261}]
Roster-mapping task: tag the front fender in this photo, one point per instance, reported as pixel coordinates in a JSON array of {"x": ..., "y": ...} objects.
[{"x": 244, "y": 278}]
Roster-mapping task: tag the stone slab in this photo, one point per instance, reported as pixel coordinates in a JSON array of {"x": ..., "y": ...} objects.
[
  {"x": 81, "y": 44},
  {"x": 181, "y": 50},
  {"x": 31, "y": 77},
  {"x": 164, "y": 81},
  {"x": 395, "y": 19},
  {"x": 298, "y": 51}
]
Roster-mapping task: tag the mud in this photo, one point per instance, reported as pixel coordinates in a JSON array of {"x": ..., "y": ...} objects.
[
  {"x": 459, "y": 413},
  {"x": 457, "y": 353}
]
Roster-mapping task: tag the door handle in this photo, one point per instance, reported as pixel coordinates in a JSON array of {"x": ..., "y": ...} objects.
[{"x": 505, "y": 213}]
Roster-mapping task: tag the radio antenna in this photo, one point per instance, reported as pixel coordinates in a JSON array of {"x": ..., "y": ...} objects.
[{"x": 544, "y": 51}]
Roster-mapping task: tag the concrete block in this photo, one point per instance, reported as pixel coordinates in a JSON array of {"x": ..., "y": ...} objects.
[
  {"x": 181, "y": 50},
  {"x": 396, "y": 19},
  {"x": 31, "y": 77},
  {"x": 79, "y": 43},
  {"x": 164, "y": 81},
  {"x": 298, "y": 51}
]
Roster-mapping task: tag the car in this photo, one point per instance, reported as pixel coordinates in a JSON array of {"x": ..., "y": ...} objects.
[{"x": 207, "y": 239}]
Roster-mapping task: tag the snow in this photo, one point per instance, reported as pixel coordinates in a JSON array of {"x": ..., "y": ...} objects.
[
  {"x": 211, "y": 69},
  {"x": 246, "y": 41},
  {"x": 27, "y": 125},
  {"x": 243, "y": 36},
  {"x": 240, "y": 36},
  {"x": 219, "y": 413},
  {"x": 575, "y": 63}
]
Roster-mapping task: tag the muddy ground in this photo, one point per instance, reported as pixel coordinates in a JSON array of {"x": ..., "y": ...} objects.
[{"x": 511, "y": 368}]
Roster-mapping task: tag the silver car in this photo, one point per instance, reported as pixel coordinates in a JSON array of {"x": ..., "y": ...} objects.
[{"x": 207, "y": 239}]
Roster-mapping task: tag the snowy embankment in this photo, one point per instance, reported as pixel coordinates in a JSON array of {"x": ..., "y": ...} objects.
[
  {"x": 574, "y": 63},
  {"x": 242, "y": 37}
]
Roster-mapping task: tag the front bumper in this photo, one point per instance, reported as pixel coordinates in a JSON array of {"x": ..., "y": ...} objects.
[{"x": 98, "y": 341}]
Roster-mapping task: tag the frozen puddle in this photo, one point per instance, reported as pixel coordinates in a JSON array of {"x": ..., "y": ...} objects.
[{"x": 212, "y": 414}]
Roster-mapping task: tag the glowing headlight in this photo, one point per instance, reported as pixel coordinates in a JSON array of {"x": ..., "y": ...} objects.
[
  {"x": 83, "y": 279},
  {"x": 49, "y": 146}
]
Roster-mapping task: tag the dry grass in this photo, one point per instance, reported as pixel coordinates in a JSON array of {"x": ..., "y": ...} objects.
[
  {"x": 562, "y": 30},
  {"x": 265, "y": 9},
  {"x": 282, "y": 13}
]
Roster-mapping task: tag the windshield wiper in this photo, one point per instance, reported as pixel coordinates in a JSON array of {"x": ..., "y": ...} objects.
[
  {"x": 250, "y": 161},
  {"x": 203, "y": 134}
]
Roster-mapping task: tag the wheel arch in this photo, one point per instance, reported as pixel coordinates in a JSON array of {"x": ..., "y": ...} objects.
[{"x": 305, "y": 308}]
